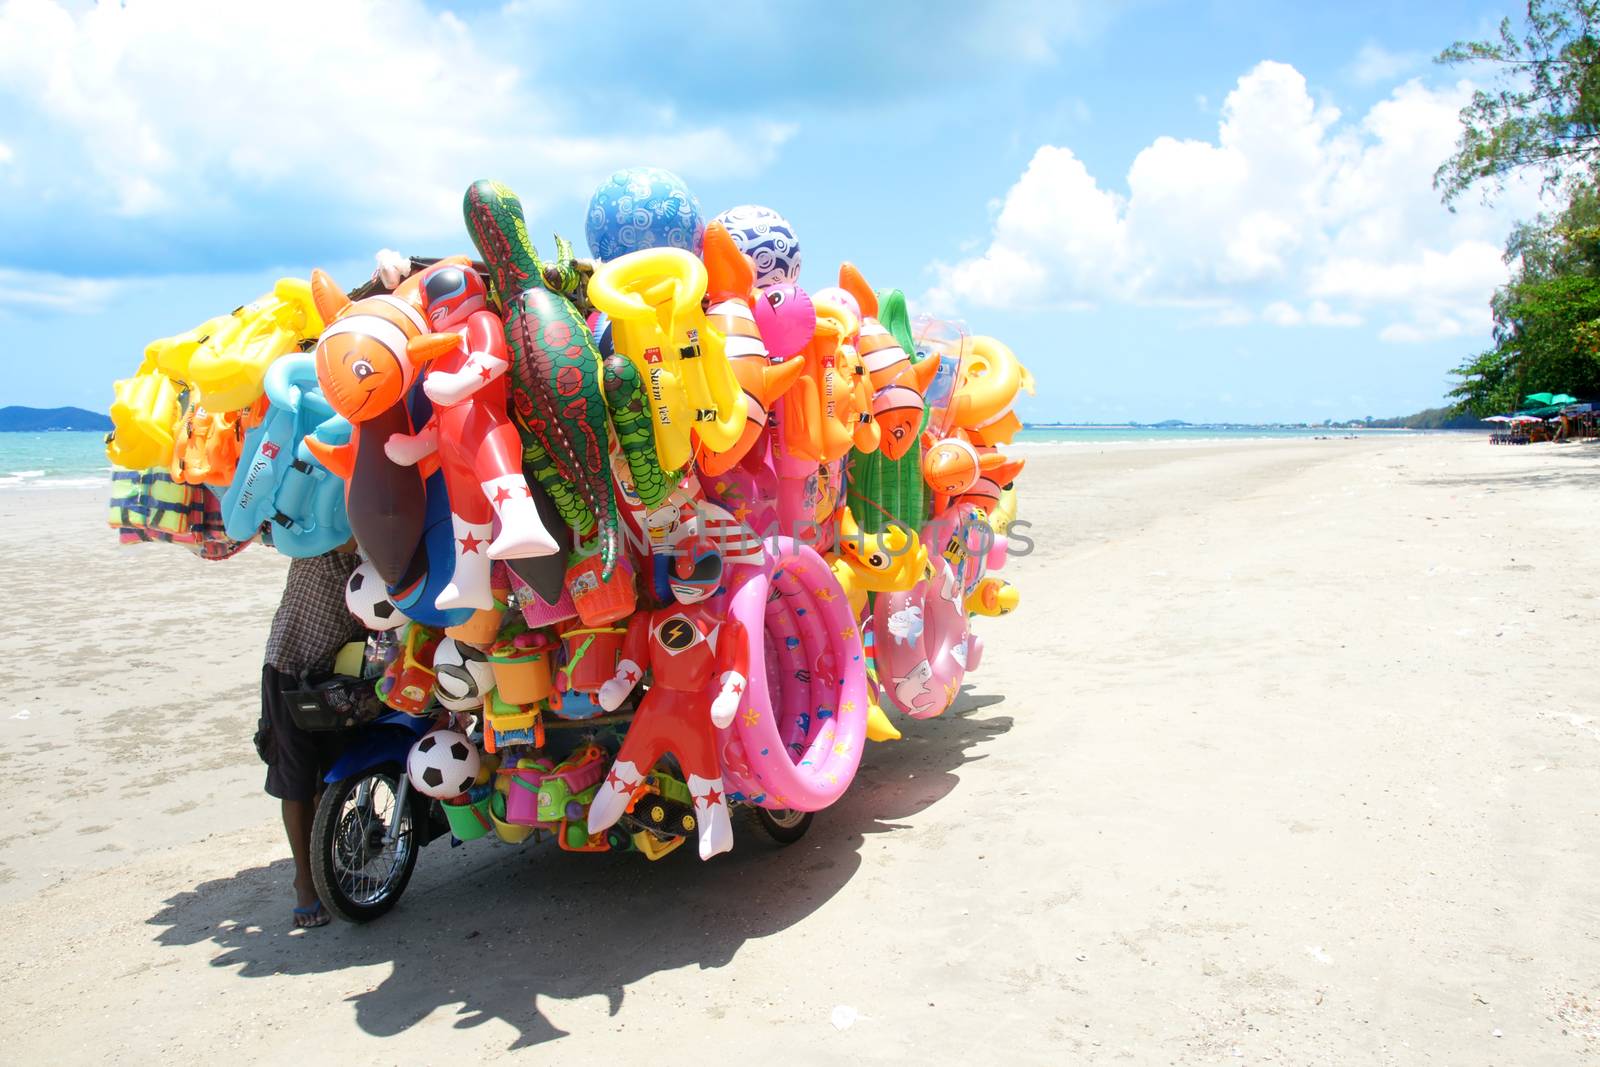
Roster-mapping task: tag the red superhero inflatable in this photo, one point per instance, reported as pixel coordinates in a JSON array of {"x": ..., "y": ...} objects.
[
  {"x": 693, "y": 651},
  {"x": 478, "y": 447}
]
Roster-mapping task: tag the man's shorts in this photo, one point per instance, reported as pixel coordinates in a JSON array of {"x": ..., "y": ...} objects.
[{"x": 296, "y": 759}]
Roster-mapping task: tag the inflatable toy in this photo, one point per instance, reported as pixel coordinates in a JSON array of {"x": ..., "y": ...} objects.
[
  {"x": 443, "y": 764},
  {"x": 477, "y": 446},
  {"x": 690, "y": 646},
  {"x": 730, "y": 281},
  {"x": 207, "y": 445},
  {"x": 888, "y": 562},
  {"x": 951, "y": 466},
  {"x": 545, "y": 576},
  {"x": 631, "y": 423},
  {"x": 144, "y": 416},
  {"x": 993, "y": 596},
  {"x": 786, "y": 318},
  {"x": 639, "y": 208},
  {"x": 897, "y": 384},
  {"x": 1001, "y": 516},
  {"x": 226, "y": 368},
  {"x": 768, "y": 239},
  {"x": 797, "y": 738},
  {"x": 365, "y": 375},
  {"x": 279, "y": 484},
  {"x": 664, "y": 504},
  {"x": 653, "y": 299},
  {"x": 982, "y": 390},
  {"x": 995, "y": 472},
  {"x": 886, "y": 489},
  {"x": 432, "y": 566},
  {"x": 920, "y": 642},
  {"x": 556, "y": 399}
]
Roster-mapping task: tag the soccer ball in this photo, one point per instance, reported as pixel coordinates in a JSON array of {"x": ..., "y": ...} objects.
[
  {"x": 443, "y": 764},
  {"x": 464, "y": 676},
  {"x": 368, "y": 600}
]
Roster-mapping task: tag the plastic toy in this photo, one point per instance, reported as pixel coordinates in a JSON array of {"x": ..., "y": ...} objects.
[
  {"x": 690, "y": 646},
  {"x": 653, "y": 299},
  {"x": 443, "y": 764},
  {"x": 796, "y": 745},
  {"x": 279, "y": 483},
  {"x": 477, "y": 446},
  {"x": 228, "y": 364},
  {"x": 144, "y": 415},
  {"x": 556, "y": 399},
  {"x": 365, "y": 375},
  {"x": 891, "y": 561},
  {"x": 730, "y": 318},
  {"x": 768, "y": 239},
  {"x": 642, "y": 207}
]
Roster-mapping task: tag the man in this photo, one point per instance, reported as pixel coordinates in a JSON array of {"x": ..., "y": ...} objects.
[{"x": 311, "y": 625}]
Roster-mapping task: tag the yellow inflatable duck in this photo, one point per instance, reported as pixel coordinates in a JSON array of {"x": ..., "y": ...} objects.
[
  {"x": 892, "y": 560},
  {"x": 653, "y": 298}
]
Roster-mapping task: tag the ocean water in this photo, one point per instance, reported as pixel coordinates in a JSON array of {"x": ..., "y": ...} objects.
[
  {"x": 78, "y": 460},
  {"x": 53, "y": 460}
]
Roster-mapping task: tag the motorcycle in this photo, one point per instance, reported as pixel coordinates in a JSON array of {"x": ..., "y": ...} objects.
[{"x": 370, "y": 824}]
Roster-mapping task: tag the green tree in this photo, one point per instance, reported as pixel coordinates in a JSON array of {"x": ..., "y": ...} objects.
[
  {"x": 1543, "y": 113},
  {"x": 1547, "y": 318}
]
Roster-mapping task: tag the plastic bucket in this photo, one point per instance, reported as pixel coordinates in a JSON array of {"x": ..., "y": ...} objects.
[
  {"x": 522, "y": 794},
  {"x": 521, "y": 676},
  {"x": 509, "y": 832},
  {"x": 471, "y": 820},
  {"x": 592, "y": 655},
  {"x": 600, "y": 602}
]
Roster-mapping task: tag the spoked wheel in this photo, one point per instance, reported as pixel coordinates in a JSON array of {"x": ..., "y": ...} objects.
[
  {"x": 364, "y": 844},
  {"x": 785, "y": 826}
]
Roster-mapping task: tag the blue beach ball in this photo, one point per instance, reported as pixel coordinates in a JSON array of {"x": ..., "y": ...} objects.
[
  {"x": 766, "y": 237},
  {"x": 642, "y": 207}
]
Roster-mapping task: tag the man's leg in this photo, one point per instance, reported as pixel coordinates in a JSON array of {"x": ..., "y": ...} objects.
[
  {"x": 293, "y": 777},
  {"x": 297, "y": 816}
]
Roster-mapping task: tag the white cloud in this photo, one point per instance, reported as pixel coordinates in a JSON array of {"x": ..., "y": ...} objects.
[
  {"x": 1282, "y": 313},
  {"x": 1375, "y": 65},
  {"x": 191, "y": 109},
  {"x": 6, "y": 153},
  {"x": 40, "y": 290},
  {"x": 1318, "y": 220}
]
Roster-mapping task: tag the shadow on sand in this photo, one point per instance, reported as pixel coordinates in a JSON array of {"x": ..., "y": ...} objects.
[{"x": 490, "y": 928}]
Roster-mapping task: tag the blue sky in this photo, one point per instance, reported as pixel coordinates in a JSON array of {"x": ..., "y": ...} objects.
[{"x": 1169, "y": 210}]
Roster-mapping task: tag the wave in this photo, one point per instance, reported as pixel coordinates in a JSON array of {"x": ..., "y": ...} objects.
[{"x": 39, "y": 480}]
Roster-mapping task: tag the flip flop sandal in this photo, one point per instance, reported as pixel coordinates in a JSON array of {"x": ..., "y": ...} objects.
[{"x": 316, "y": 915}]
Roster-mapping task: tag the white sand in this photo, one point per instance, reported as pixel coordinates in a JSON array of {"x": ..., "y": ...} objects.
[{"x": 1292, "y": 755}]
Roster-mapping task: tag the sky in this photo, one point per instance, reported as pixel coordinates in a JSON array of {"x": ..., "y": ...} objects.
[{"x": 1195, "y": 210}]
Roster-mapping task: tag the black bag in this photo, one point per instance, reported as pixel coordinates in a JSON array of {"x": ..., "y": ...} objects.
[{"x": 337, "y": 703}]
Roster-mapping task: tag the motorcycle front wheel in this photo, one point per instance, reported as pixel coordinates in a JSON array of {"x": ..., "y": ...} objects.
[{"x": 364, "y": 843}]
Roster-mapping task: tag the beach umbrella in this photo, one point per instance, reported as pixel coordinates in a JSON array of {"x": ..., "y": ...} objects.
[
  {"x": 1541, "y": 399},
  {"x": 1563, "y": 398},
  {"x": 1525, "y": 418},
  {"x": 1498, "y": 418}
]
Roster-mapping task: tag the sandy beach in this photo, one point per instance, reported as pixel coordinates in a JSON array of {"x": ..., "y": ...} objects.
[{"x": 1292, "y": 755}]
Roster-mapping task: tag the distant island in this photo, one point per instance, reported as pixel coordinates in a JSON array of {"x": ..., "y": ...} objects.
[
  {"x": 1431, "y": 419},
  {"x": 40, "y": 420}
]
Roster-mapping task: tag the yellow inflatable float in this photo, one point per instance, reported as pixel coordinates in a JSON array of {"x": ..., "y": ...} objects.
[{"x": 653, "y": 298}]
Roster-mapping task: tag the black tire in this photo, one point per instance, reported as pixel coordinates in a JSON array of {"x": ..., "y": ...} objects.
[
  {"x": 338, "y": 837},
  {"x": 785, "y": 826}
]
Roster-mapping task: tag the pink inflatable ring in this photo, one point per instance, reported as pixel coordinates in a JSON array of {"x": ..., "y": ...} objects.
[{"x": 796, "y": 742}]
